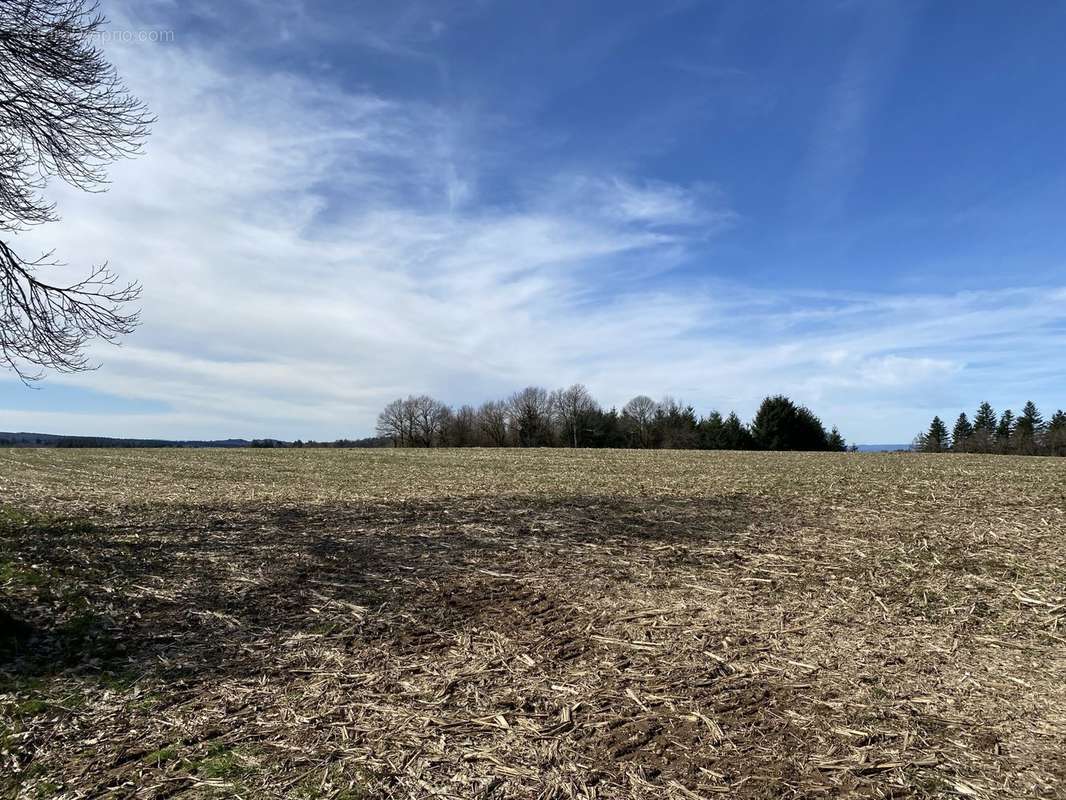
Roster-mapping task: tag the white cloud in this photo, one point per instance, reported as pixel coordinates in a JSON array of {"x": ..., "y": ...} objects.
[
  {"x": 654, "y": 204},
  {"x": 308, "y": 253}
]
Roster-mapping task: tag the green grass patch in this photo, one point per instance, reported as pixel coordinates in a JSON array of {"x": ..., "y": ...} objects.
[
  {"x": 31, "y": 708},
  {"x": 29, "y": 783},
  {"x": 161, "y": 756},
  {"x": 221, "y": 763},
  {"x": 146, "y": 702},
  {"x": 15, "y": 574},
  {"x": 46, "y": 789},
  {"x": 85, "y": 635},
  {"x": 121, "y": 681},
  {"x": 14, "y": 521},
  {"x": 339, "y": 781}
]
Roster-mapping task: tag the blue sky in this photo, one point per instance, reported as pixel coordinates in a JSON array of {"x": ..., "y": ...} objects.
[{"x": 857, "y": 204}]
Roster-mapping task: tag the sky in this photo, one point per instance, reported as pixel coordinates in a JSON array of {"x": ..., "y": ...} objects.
[{"x": 858, "y": 204}]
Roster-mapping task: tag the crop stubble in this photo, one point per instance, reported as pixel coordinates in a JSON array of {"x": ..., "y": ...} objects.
[{"x": 553, "y": 624}]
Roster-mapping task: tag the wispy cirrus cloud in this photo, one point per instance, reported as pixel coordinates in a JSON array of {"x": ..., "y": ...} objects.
[
  {"x": 840, "y": 135},
  {"x": 309, "y": 251}
]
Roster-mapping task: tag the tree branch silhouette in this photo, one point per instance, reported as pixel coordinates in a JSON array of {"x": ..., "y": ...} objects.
[{"x": 64, "y": 113}]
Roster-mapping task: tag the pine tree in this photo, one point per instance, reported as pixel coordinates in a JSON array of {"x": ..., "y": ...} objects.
[
  {"x": 962, "y": 434},
  {"x": 735, "y": 435},
  {"x": 836, "y": 441},
  {"x": 1030, "y": 421},
  {"x": 985, "y": 419},
  {"x": 780, "y": 424},
  {"x": 1028, "y": 430},
  {"x": 1056, "y": 434},
  {"x": 935, "y": 440},
  {"x": 712, "y": 431},
  {"x": 984, "y": 429},
  {"x": 1004, "y": 431}
]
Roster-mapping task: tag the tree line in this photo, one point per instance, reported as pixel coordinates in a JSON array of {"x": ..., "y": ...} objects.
[
  {"x": 571, "y": 417},
  {"x": 1027, "y": 434}
]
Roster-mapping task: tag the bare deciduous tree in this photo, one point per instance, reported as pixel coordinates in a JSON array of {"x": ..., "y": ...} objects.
[
  {"x": 573, "y": 406},
  {"x": 639, "y": 414},
  {"x": 392, "y": 423},
  {"x": 571, "y": 417},
  {"x": 493, "y": 422},
  {"x": 63, "y": 112},
  {"x": 428, "y": 418},
  {"x": 420, "y": 421},
  {"x": 531, "y": 411},
  {"x": 463, "y": 430}
]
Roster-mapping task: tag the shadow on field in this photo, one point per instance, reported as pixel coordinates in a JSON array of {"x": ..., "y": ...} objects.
[{"x": 214, "y": 591}]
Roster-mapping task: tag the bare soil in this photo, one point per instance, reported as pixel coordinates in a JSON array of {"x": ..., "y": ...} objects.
[{"x": 828, "y": 636}]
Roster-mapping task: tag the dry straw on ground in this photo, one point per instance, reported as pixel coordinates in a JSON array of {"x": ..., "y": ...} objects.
[{"x": 551, "y": 624}]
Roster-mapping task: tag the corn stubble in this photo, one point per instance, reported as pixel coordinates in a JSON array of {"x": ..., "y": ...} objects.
[{"x": 532, "y": 624}]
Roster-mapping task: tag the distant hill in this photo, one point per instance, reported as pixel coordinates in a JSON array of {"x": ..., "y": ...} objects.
[{"x": 24, "y": 439}]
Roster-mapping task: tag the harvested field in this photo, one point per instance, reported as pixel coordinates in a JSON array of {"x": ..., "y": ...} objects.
[{"x": 532, "y": 624}]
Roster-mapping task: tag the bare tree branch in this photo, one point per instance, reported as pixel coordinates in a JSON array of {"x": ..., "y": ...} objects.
[
  {"x": 43, "y": 326},
  {"x": 63, "y": 112}
]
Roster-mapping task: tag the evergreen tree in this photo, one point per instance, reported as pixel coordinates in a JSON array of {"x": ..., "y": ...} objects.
[
  {"x": 1029, "y": 430},
  {"x": 712, "y": 432},
  {"x": 962, "y": 434},
  {"x": 812, "y": 434},
  {"x": 674, "y": 426},
  {"x": 984, "y": 429},
  {"x": 1006, "y": 424},
  {"x": 774, "y": 423},
  {"x": 1004, "y": 430},
  {"x": 985, "y": 418},
  {"x": 1056, "y": 434},
  {"x": 780, "y": 425},
  {"x": 935, "y": 440},
  {"x": 570, "y": 417},
  {"x": 1032, "y": 418},
  {"x": 836, "y": 441},
  {"x": 735, "y": 436},
  {"x": 606, "y": 429}
]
